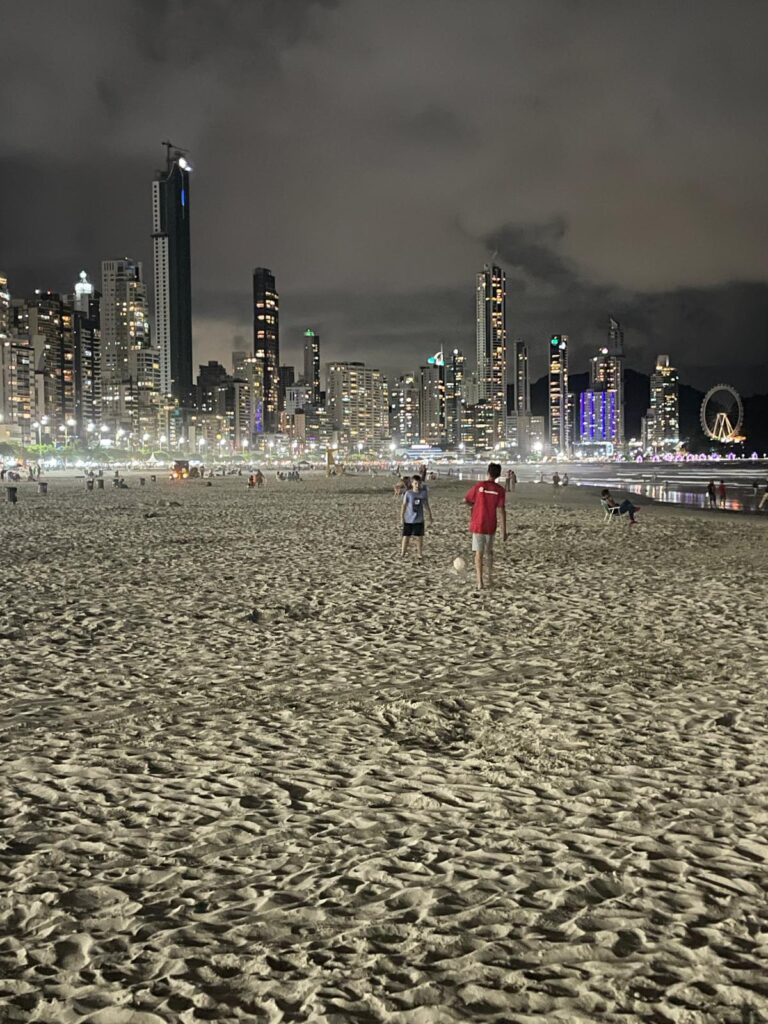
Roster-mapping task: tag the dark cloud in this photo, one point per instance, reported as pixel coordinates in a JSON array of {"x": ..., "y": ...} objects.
[
  {"x": 375, "y": 154},
  {"x": 534, "y": 250}
]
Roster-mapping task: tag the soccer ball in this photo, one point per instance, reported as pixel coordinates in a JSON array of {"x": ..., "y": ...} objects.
[{"x": 459, "y": 564}]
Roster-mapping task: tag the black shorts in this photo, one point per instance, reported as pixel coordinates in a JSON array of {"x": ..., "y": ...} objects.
[{"x": 413, "y": 529}]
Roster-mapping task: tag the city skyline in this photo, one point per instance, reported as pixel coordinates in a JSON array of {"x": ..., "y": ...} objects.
[{"x": 365, "y": 248}]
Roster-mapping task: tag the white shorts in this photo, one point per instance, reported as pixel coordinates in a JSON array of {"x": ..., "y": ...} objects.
[{"x": 483, "y": 542}]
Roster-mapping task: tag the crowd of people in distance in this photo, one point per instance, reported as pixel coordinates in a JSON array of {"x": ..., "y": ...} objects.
[{"x": 14, "y": 473}]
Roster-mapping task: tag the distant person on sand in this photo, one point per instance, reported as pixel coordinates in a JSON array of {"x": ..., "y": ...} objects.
[
  {"x": 620, "y": 509},
  {"x": 565, "y": 479},
  {"x": 764, "y": 499},
  {"x": 415, "y": 504},
  {"x": 721, "y": 493},
  {"x": 555, "y": 481},
  {"x": 487, "y": 499},
  {"x": 712, "y": 494},
  {"x": 511, "y": 481}
]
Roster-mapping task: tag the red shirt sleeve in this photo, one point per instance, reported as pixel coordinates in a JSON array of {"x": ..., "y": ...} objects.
[{"x": 470, "y": 495}]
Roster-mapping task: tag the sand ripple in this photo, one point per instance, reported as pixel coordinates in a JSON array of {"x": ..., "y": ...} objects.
[{"x": 255, "y": 768}]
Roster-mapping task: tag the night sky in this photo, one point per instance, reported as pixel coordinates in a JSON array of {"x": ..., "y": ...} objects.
[{"x": 374, "y": 153}]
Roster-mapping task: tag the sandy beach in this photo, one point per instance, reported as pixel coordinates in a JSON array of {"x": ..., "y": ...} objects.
[{"x": 255, "y": 767}]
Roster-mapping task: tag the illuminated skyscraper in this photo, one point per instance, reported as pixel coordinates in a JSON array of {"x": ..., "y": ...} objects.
[
  {"x": 663, "y": 418},
  {"x": 5, "y": 307},
  {"x": 16, "y": 374},
  {"x": 312, "y": 366},
  {"x": 432, "y": 402},
  {"x": 559, "y": 424},
  {"x": 598, "y": 414},
  {"x": 173, "y": 275},
  {"x": 130, "y": 356},
  {"x": 491, "y": 323},
  {"x": 266, "y": 343},
  {"x": 357, "y": 402},
  {"x": 87, "y": 351},
  {"x": 124, "y": 315},
  {"x": 454, "y": 396},
  {"x": 607, "y": 374},
  {"x": 522, "y": 379},
  {"x": 250, "y": 370},
  {"x": 404, "y": 410}
]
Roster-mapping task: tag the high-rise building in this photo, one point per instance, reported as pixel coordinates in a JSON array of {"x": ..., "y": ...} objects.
[
  {"x": 559, "y": 419},
  {"x": 312, "y": 366},
  {"x": 16, "y": 375},
  {"x": 491, "y": 323},
  {"x": 250, "y": 370},
  {"x": 173, "y": 275},
  {"x": 64, "y": 362},
  {"x": 212, "y": 383},
  {"x": 357, "y": 402},
  {"x": 17, "y": 380},
  {"x": 598, "y": 416},
  {"x": 454, "y": 396},
  {"x": 124, "y": 316},
  {"x": 297, "y": 398},
  {"x": 432, "y": 403},
  {"x": 663, "y": 419},
  {"x": 404, "y": 411},
  {"x": 477, "y": 427},
  {"x": 266, "y": 344},
  {"x": 131, "y": 386},
  {"x": 88, "y": 378},
  {"x": 522, "y": 378},
  {"x": 5, "y": 307},
  {"x": 50, "y": 326},
  {"x": 607, "y": 374},
  {"x": 287, "y": 375}
]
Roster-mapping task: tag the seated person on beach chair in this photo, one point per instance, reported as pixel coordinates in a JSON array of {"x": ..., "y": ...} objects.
[{"x": 613, "y": 508}]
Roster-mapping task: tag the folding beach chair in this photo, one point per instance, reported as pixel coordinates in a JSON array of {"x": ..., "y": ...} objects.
[{"x": 610, "y": 512}]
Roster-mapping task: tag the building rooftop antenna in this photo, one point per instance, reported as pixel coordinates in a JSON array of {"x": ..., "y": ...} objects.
[{"x": 177, "y": 151}]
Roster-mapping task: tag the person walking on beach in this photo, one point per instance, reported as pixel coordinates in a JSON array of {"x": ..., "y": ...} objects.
[
  {"x": 565, "y": 479},
  {"x": 712, "y": 494},
  {"x": 415, "y": 504},
  {"x": 487, "y": 499},
  {"x": 555, "y": 481},
  {"x": 721, "y": 493}
]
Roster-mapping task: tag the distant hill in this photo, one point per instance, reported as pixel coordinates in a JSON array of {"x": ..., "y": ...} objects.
[{"x": 637, "y": 391}]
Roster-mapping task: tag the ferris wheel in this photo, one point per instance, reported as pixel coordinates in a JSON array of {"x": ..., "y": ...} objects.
[{"x": 722, "y": 414}]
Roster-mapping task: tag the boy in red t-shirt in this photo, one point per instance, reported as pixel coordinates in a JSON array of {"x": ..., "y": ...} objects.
[{"x": 486, "y": 498}]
